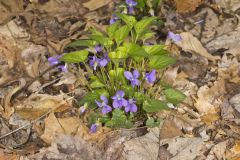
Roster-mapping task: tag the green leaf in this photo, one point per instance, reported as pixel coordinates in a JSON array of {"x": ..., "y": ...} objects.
[
  {"x": 135, "y": 50},
  {"x": 129, "y": 91},
  {"x": 121, "y": 34},
  {"x": 147, "y": 35},
  {"x": 161, "y": 61},
  {"x": 120, "y": 54},
  {"x": 117, "y": 75},
  {"x": 155, "y": 49},
  {"x": 102, "y": 40},
  {"x": 80, "y": 43},
  {"x": 75, "y": 57},
  {"x": 154, "y": 105},
  {"x": 152, "y": 123},
  {"x": 139, "y": 97},
  {"x": 142, "y": 25},
  {"x": 112, "y": 29},
  {"x": 119, "y": 120},
  {"x": 129, "y": 20},
  {"x": 140, "y": 3},
  {"x": 91, "y": 96},
  {"x": 174, "y": 96},
  {"x": 96, "y": 84}
]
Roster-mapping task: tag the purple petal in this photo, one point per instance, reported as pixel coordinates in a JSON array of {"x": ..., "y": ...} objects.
[
  {"x": 104, "y": 99},
  {"x": 128, "y": 75},
  {"x": 174, "y": 37},
  {"x": 150, "y": 77},
  {"x": 120, "y": 93},
  {"x": 133, "y": 108},
  {"x": 135, "y": 82},
  {"x": 98, "y": 103},
  {"x": 116, "y": 104},
  {"x": 131, "y": 10},
  {"x": 63, "y": 68},
  {"x": 136, "y": 74},
  {"x": 103, "y": 62},
  {"x": 127, "y": 108},
  {"x": 106, "y": 109},
  {"x": 98, "y": 48},
  {"x": 124, "y": 102},
  {"x": 53, "y": 61},
  {"x": 114, "y": 97},
  {"x": 82, "y": 109},
  {"x": 93, "y": 128}
]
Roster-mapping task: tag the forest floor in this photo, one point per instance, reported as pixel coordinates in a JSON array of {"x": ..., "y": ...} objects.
[{"x": 206, "y": 126}]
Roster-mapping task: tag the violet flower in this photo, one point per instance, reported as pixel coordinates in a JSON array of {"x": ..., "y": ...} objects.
[
  {"x": 93, "y": 128},
  {"x": 118, "y": 100},
  {"x": 131, "y": 4},
  {"x": 151, "y": 77},
  {"x": 113, "y": 19},
  {"x": 104, "y": 105},
  {"x": 98, "y": 48},
  {"x": 174, "y": 37},
  {"x": 54, "y": 60},
  {"x": 104, "y": 60},
  {"x": 94, "y": 62},
  {"x": 132, "y": 77},
  {"x": 131, "y": 106}
]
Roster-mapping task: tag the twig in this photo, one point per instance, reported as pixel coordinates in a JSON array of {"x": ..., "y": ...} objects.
[{"x": 27, "y": 125}]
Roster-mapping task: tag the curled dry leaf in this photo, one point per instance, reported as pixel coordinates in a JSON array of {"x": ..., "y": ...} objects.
[
  {"x": 55, "y": 126},
  {"x": 186, "y": 148},
  {"x": 38, "y": 104},
  {"x": 192, "y": 44},
  {"x": 210, "y": 98},
  {"x": 185, "y": 6},
  {"x": 144, "y": 147},
  {"x": 94, "y": 5}
]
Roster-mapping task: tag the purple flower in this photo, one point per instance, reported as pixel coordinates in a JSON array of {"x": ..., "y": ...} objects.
[
  {"x": 174, "y": 37},
  {"x": 98, "y": 48},
  {"x": 104, "y": 104},
  {"x": 131, "y": 4},
  {"x": 113, "y": 19},
  {"x": 93, "y": 128},
  {"x": 132, "y": 77},
  {"x": 63, "y": 68},
  {"x": 151, "y": 77},
  {"x": 104, "y": 60},
  {"x": 94, "y": 62},
  {"x": 118, "y": 100},
  {"x": 54, "y": 60},
  {"x": 131, "y": 106},
  {"x": 82, "y": 109}
]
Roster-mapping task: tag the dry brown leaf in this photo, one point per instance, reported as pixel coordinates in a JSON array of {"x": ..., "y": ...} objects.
[
  {"x": 185, "y": 6},
  {"x": 169, "y": 129},
  {"x": 229, "y": 5},
  {"x": 39, "y": 104},
  {"x": 55, "y": 126},
  {"x": 98, "y": 137},
  {"x": 94, "y": 5},
  {"x": 236, "y": 147},
  {"x": 218, "y": 151},
  {"x": 210, "y": 117},
  {"x": 190, "y": 43},
  {"x": 5, "y": 156},
  {"x": 209, "y": 98}
]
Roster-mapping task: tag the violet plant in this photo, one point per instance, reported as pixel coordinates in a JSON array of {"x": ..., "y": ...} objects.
[{"x": 122, "y": 74}]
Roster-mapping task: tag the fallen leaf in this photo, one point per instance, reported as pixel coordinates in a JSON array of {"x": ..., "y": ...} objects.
[
  {"x": 169, "y": 129},
  {"x": 144, "y": 147},
  {"x": 94, "y": 5},
  {"x": 6, "y": 156},
  {"x": 229, "y": 5},
  {"x": 39, "y": 104},
  {"x": 189, "y": 43},
  {"x": 186, "y": 148},
  {"x": 218, "y": 151},
  {"x": 210, "y": 98},
  {"x": 69, "y": 147},
  {"x": 236, "y": 147},
  {"x": 185, "y": 6},
  {"x": 211, "y": 116},
  {"x": 55, "y": 126}
]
